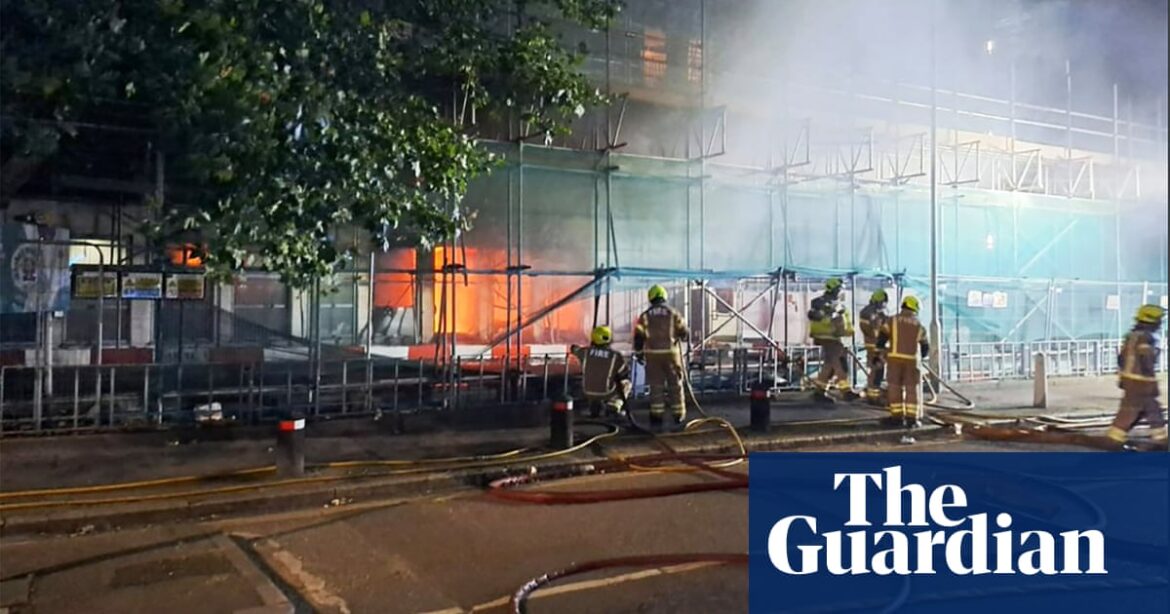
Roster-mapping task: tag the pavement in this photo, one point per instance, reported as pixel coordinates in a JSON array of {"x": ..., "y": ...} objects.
[
  {"x": 379, "y": 446},
  {"x": 452, "y": 554}
]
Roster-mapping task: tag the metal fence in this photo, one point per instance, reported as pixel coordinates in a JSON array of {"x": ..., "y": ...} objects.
[
  {"x": 972, "y": 362},
  {"x": 99, "y": 397}
]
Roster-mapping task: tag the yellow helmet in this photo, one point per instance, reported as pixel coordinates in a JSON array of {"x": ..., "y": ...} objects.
[
  {"x": 656, "y": 293},
  {"x": 878, "y": 296},
  {"x": 1150, "y": 314},
  {"x": 910, "y": 303},
  {"x": 833, "y": 284},
  {"x": 601, "y": 335}
]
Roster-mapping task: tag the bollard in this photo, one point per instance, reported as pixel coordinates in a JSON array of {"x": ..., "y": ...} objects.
[
  {"x": 761, "y": 407},
  {"x": 561, "y": 424},
  {"x": 290, "y": 448},
  {"x": 1040, "y": 381}
]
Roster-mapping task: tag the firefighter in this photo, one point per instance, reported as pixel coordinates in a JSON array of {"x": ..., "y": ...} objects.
[
  {"x": 828, "y": 322},
  {"x": 871, "y": 318},
  {"x": 1136, "y": 377},
  {"x": 605, "y": 375},
  {"x": 657, "y": 336},
  {"x": 905, "y": 335}
]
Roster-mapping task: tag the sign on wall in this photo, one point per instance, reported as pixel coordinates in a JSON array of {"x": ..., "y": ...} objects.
[
  {"x": 87, "y": 284},
  {"x": 142, "y": 285},
  {"x": 974, "y": 298},
  {"x": 999, "y": 300},
  {"x": 185, "y": 286},
  {"x": 1113, "y": 302}
]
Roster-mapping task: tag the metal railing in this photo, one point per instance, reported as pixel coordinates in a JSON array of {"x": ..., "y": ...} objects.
[
  {"x": 120, "y": 396},
  {"x": 972, "y": 362}
]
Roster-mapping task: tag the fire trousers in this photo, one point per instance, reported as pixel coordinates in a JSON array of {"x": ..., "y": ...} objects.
[
  {"x": 1133, "y": 409},
  {"x": 614, "y": 402},
  {"x": 903, "y": 383},
  {"x": 664, "y": 376},
  {"x": 834, "y": 365},
  {"x": 876, "y": 363}
]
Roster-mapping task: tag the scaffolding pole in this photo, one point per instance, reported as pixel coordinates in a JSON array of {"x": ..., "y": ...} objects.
[{"x": 935, "y": 328}]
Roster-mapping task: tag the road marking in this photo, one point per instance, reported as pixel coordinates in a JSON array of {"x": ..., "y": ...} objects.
[
  {"x": 295, "y": 572},
  {"x": 583, "y": 585}
]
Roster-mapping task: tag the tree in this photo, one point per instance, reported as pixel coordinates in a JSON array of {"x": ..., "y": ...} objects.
[{"x": 285, "y": 121}]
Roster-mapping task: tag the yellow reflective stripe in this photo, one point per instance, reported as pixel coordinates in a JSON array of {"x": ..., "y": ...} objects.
[
  {"x": 913, "y": 357},
  {"x": 670, "y": 351},
  {"x": 1139, "y": 378}
]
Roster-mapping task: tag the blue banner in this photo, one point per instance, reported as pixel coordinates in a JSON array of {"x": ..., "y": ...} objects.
[{"x": 958, "y": 532}]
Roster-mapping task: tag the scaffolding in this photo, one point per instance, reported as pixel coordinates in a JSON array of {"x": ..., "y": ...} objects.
[{"x": 742, "y": 214}]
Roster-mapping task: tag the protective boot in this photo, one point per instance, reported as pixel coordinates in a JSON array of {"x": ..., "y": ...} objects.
[{"x": 820, "y": 396}]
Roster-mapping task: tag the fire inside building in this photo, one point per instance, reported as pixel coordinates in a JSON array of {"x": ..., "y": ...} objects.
[{"x": 1021, "y": 198}]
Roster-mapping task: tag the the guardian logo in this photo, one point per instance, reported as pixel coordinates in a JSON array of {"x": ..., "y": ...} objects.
[{"x": 925, "y": 533}]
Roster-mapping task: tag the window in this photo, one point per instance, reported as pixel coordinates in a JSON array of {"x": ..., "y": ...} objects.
[
  {"x": 260, "y": 309},
  {"x": 95, "y": 252},
  {"x": 653, "y": 56},
  {"x": 695, "y": 61},
  {"x": 338, "y": 311}
]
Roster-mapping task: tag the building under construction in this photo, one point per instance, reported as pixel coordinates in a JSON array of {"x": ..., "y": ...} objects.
[{"x": 1021, "y": 198}]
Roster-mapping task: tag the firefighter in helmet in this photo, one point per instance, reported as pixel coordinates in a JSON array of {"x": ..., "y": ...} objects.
[
  {"x": 657, "y": 336},
  {"x": 871, "y": 319},
  {"x": 907, "y": 342},
  {"x": 828, "y": 323},
  {"x": 1136, "y": 376},
  {"x": 605, "y": 375}
]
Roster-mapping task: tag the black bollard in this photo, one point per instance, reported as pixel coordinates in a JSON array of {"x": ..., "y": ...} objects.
[
  {"x": 561, "y": 424},
  {"x": 761, "y": 407},
  {"x": 290, "y": 447}
]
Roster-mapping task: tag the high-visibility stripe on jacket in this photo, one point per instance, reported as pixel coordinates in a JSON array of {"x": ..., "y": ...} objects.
[
  {"x": 601, "y": 369},
  {"x": 905, "y": 336},
  {"x": 1137, "y": 362},
  {"x": 871, "y": 318},
  {"x": 658, "y": 330},
  {"x": 827, "y": 320}
]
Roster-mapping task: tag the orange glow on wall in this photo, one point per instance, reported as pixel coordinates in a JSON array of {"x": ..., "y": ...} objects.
[
  {"x": 480, "y": 311},
  {"x": 394, "y": 290}
]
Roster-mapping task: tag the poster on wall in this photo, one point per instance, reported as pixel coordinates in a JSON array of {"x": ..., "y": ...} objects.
[
  {"x": 999, "y": 300},
  {"x": 185, "y": 286},
  {"x": 1113, "y": 302},
  {"x": 974, "y": 298},
  {"x": 33, "y": 276},
  {"x": 142, "y": 285}
]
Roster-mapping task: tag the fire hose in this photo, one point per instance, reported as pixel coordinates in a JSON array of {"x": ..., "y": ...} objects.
[
  {"x": 520, "y": 597},
  {"x": 403, "y": 467}
]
